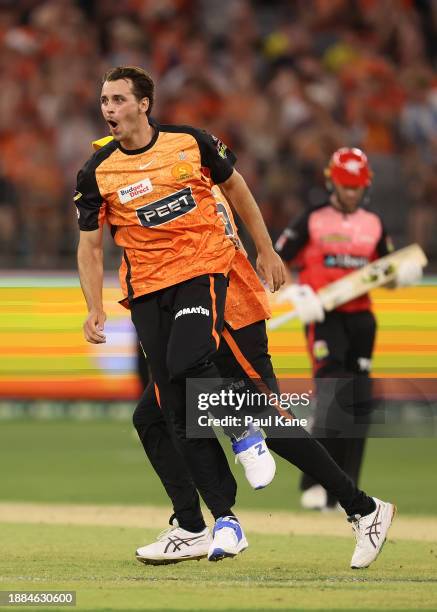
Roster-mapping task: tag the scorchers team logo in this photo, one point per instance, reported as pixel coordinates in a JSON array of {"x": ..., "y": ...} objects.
[{"x": 182, "y": 171}]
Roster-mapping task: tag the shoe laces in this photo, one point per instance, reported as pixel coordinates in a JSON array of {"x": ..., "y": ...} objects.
[
  {"x": 355, "y": 521},
  {"x": 166, "y": 532}
]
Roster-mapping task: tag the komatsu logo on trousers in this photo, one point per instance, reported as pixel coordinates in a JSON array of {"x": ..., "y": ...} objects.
[
  {"x": 134, "y": 191},
  {"x": 192, "y": 310},
  {"x": 167, "y": 209}
]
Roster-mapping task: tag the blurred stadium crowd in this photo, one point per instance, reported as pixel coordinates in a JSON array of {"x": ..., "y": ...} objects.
[{"x": 284, "y": 83}]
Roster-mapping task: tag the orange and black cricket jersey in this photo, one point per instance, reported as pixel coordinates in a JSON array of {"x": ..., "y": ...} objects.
[{"x": 158, "y": 203}]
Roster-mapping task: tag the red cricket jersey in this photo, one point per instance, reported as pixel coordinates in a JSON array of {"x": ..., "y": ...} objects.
[{"x": 327, "y": 244}]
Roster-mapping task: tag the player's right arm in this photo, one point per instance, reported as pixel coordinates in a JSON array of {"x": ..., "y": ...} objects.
[
  {"x": 220, "y": 162},
  {"x": 91, "y": 209},
  {"x": 90, "y": 264},
  {"x": 290, "y": 243},
  {"x": 269, "y": 265}
]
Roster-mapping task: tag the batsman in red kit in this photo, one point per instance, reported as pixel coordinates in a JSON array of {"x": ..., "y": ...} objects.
[{"x": 326, "y": 243}]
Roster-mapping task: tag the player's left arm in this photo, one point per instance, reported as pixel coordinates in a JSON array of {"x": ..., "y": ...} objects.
[{"x": 269, "y": 264}]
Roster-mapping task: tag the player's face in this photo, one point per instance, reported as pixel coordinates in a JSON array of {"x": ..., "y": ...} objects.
[
  {"x": 121, "y": 110},
  {"x": 348, "y": 197}
]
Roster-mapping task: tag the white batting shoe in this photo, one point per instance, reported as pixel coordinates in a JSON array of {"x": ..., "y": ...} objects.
[
  {"x": 371, "y": 533},
  {"x": 258, "y": 464},
  {"x": 228, "y": 539},
  {"x": 314, "y": 498},
  {"x": 175, "y": 545}
]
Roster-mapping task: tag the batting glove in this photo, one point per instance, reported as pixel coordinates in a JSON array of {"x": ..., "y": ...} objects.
[
  {"x": 305, "y": 301},
  {"x": 408, "y": 273}
]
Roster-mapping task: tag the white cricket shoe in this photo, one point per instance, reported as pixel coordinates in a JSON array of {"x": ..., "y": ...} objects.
[
  {"x": 314, "y": 498},
  {"x": 175, "y": 545},
  {"x": 370, "y": 533},
  {"x": 228, "y": 539},
  {"x": 258, "y": 464}
]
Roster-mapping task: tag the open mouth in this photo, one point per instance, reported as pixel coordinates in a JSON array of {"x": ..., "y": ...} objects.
[{"x": 112, "y": 123}]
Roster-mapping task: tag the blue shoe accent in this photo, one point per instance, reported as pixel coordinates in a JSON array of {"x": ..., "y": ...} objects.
[
  {"x": 228, "y": 522},
  {"x": 260, "y": 449},
  {"x": 238, "y": 446},
  {"x": 218, "y": 554}
]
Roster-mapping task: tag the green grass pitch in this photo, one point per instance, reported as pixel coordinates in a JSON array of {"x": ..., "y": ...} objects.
[
  {"x": 101, "y": 462},
  {"x": 275, "y": 573}
]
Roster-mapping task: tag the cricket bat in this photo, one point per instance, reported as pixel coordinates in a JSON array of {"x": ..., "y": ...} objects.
[{"x": 375, "y": 274}]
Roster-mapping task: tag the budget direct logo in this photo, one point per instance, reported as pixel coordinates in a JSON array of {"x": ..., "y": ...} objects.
[{"x": 134, "y": 191}]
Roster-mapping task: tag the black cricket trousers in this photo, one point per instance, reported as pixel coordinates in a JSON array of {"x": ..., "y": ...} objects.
[
  {"x": 341, "y": 349},
  {"x": 242, "y": 354},
  {"x": 179, "y": 328}
]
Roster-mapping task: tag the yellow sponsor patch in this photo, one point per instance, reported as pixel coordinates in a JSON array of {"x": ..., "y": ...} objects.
[{"x": 182, "y": 170}]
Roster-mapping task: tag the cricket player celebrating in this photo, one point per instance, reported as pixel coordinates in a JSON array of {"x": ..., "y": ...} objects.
[
  {"x": 152, "y": 183},
  {"x": 327, "y": 243}
]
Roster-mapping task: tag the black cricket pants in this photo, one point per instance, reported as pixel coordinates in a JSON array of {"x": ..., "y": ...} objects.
[
  {"x": 179, "y": 328},
  {"x": 243, "y": 354},
  {"x": 341, "y": 348}
]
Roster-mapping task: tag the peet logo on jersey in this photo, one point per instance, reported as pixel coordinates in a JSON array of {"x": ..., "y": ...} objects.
[
  {"x": 192, "y": 310},
  {"x": 134, "y": 191},
  {"x": 167, "y": 209},
  {"x": 346, "y": 261}
]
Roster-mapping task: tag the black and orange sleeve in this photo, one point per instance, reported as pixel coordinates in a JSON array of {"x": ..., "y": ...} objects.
[
  {"x": 87, "y": 198},
  {"x": 89, "y": 202},
  {"x": 216, "y": 156}
]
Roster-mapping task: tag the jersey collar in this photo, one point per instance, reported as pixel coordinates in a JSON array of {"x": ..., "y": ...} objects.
[{"x": 148, "y": 146}]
